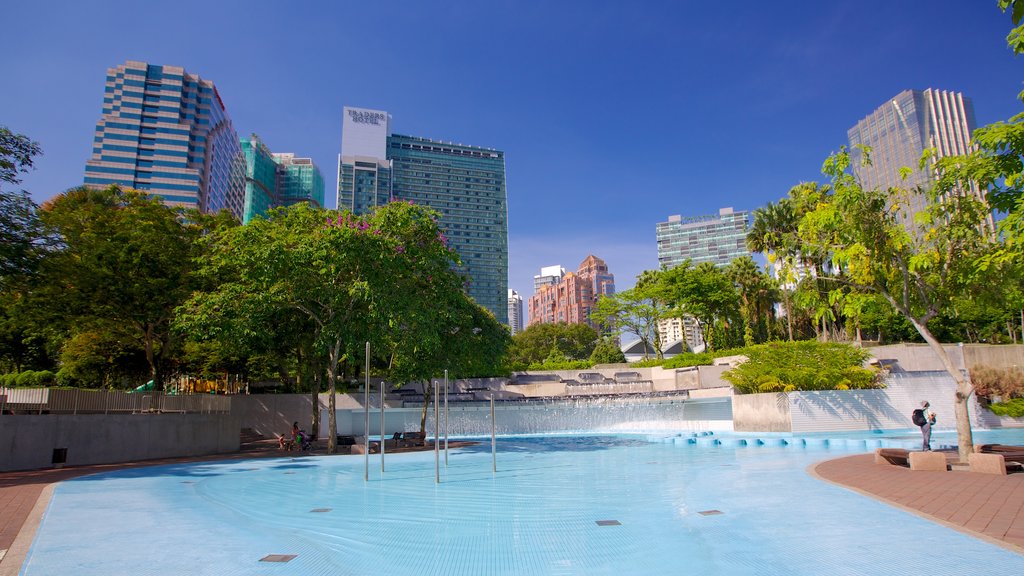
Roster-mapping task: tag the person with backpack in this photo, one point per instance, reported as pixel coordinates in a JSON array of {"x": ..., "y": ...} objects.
[{"x": 925, "y": 421}]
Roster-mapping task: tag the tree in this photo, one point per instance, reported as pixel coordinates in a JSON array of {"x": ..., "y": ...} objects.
[
  {"x": 757, "y": 298},
  {"x": 917, "y": 273},
  {"x": 21, "y": 234},
  {"x": 705, "y": 293},
  {"x": 539, "y": 341},
  {"x": 607, "y": 351},
  {"x": 636, "y": 311},
  {"x": 17, "y": 154},
  {"x": 124, "y": 259}
]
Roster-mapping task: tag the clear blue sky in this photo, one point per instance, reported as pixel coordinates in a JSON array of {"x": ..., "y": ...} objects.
[{"x": 612, "y": 115}]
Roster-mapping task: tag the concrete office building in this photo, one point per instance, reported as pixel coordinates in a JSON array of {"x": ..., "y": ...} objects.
[
  {"x": 716, "y": 239},
  {"x": 167, "y": 132},
  {"x": 273, "y": 180},
  {"x": 900, "y": 130},
  {"x": 464, "y": 184},
  {"x": 515, "y": 312},
  {"x": 571, "y": 299}
]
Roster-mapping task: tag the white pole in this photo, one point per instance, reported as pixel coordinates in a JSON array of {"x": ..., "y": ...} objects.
[
  {"x": 494, "y": 444},
  {"x": 366, "y": 410},
  {"x": 445, "y": 418},
  {"x": 381, "y": 426},
  {"x": 437, "y": 439}
]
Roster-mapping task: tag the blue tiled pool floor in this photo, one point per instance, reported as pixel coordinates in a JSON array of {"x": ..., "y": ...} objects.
[{"x": 547, "y": 510}]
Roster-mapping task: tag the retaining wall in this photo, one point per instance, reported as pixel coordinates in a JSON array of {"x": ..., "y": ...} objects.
[{"x": 28, "y": 441}]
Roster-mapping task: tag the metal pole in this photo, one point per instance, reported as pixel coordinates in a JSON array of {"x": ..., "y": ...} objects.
[
  {"x": 494, "y": 449},
  {"x": 437, "y": 439},
  {"x": 382, "y": 427},
  {"x": 445, "y": 418},
  {"x": 366, "y": 410}
]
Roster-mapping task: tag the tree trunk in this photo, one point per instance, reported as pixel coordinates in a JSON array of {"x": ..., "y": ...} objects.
[
  {"x": 332, "y": 379},
  {"x": 428, "y": 391},
  {"x": 964, "y": 389},
  {"x": 154, "y": 362}
]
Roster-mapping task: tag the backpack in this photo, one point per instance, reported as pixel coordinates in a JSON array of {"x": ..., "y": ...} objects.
[{"x": 918, "y": 417}]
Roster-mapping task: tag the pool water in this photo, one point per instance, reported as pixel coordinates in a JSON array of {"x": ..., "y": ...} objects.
[{"x": 566, "y": 505}]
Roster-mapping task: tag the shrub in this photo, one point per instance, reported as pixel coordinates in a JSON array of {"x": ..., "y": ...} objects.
[
  {"x": 1013, "y": 408},
  {"x": 807, "y": 365},
  {"x": 561, "y": 365},
  {"x": 1003, "y": 382}
]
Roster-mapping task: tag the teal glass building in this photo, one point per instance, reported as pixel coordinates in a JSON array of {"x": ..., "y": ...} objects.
[
  {"x": 273, "y": 180},
  {"x": 718, "y": 239},
  {"x": 167, "y": 132},
  {"x": 464, "y": 184}
]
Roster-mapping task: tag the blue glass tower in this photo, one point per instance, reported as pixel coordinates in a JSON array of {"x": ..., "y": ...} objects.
[
  {"x": 167, "y": 132},
  {"x": 464, "y": 184}
]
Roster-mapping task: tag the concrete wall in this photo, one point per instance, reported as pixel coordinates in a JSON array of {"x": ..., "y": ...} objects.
[
  {"x": 27, "y": 441},
  {"x": 919, "y": 357},
  {"x": 986, "y": 356},
  {"x": 860, "y": 410}
]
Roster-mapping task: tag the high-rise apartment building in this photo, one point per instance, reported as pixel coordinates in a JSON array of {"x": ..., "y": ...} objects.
[
  {"x": 549, "y": 276},
  {"x": 515, "y": 312},
  {"x": 571, "y": 299},
  {"x": 464, "y": 184},
  {"x": 167, "y": 132},
  {"x": 898, "y": 133},
  {"x": 273, "y": 180},
  {"x": 717, "y": 239}
]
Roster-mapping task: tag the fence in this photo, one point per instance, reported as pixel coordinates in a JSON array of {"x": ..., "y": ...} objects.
[{"x": 73, "y": 401}]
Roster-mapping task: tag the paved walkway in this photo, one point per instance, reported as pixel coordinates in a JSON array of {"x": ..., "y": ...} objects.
[{"x": 985, "y": 506}]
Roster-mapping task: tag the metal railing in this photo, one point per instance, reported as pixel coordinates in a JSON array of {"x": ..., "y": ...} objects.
[{"x": 14, "y": 401}]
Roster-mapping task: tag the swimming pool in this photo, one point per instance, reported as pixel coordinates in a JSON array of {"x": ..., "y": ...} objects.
[{"x": 567, "y": 505}]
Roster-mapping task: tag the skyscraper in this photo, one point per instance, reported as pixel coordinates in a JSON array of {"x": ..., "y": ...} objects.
[
  {"x": 464, "y": 184},
  {"x": 273, "y": 180},
  {"x": 717, "y": 239},
  {"x": 515, "y": 312},
  {"x": 900, "y": 130},
  {"x": 573, "y": 296},
  {"x": 167, "y": 132}
]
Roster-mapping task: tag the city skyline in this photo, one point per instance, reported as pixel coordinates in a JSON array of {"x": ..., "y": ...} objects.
[{"x": 611, "y": 117}]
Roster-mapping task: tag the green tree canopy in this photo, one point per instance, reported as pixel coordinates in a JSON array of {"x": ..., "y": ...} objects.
[{"x": 538, "y": 342}]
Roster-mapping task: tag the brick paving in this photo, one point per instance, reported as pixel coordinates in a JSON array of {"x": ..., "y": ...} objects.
[
  {"x": 987, "y": 506},
  {"x": 983, "y": 505}
]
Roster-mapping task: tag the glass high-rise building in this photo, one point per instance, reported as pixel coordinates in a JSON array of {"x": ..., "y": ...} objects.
[
  {"x": 718, "y": 239},
  {"x": 898, "y": 133},
  {"x": 299, "y": 180},
  {"x": 464, "y": 184},
  {"x": 273, "y": 180},
  {"x": 167, "y": 132}
]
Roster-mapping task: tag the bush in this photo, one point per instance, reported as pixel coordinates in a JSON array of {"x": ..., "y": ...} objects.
[
  {"x": 561, "y": 365},
  {"x": 1013, "y": 408},
  {"x": 807, "y": 365},
  {"x": 1006, "y": 383}
]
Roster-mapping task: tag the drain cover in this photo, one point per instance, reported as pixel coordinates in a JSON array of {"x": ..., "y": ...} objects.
[
  {"x": 320, "y": 510},
  {"x": 710, "y": 512},
  {"x": 609, "y": 523},
  {"x": 278, "y": 558}
]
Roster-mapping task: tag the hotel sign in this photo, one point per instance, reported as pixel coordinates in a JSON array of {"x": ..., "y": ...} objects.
[{"x": 367, "y": 117}]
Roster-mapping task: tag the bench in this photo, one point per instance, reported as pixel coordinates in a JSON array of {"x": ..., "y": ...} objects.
[
  {"x": 934, "y": 461},
  {"x": 409, "y": 439},
  {"x": 996, "y": 459}
]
